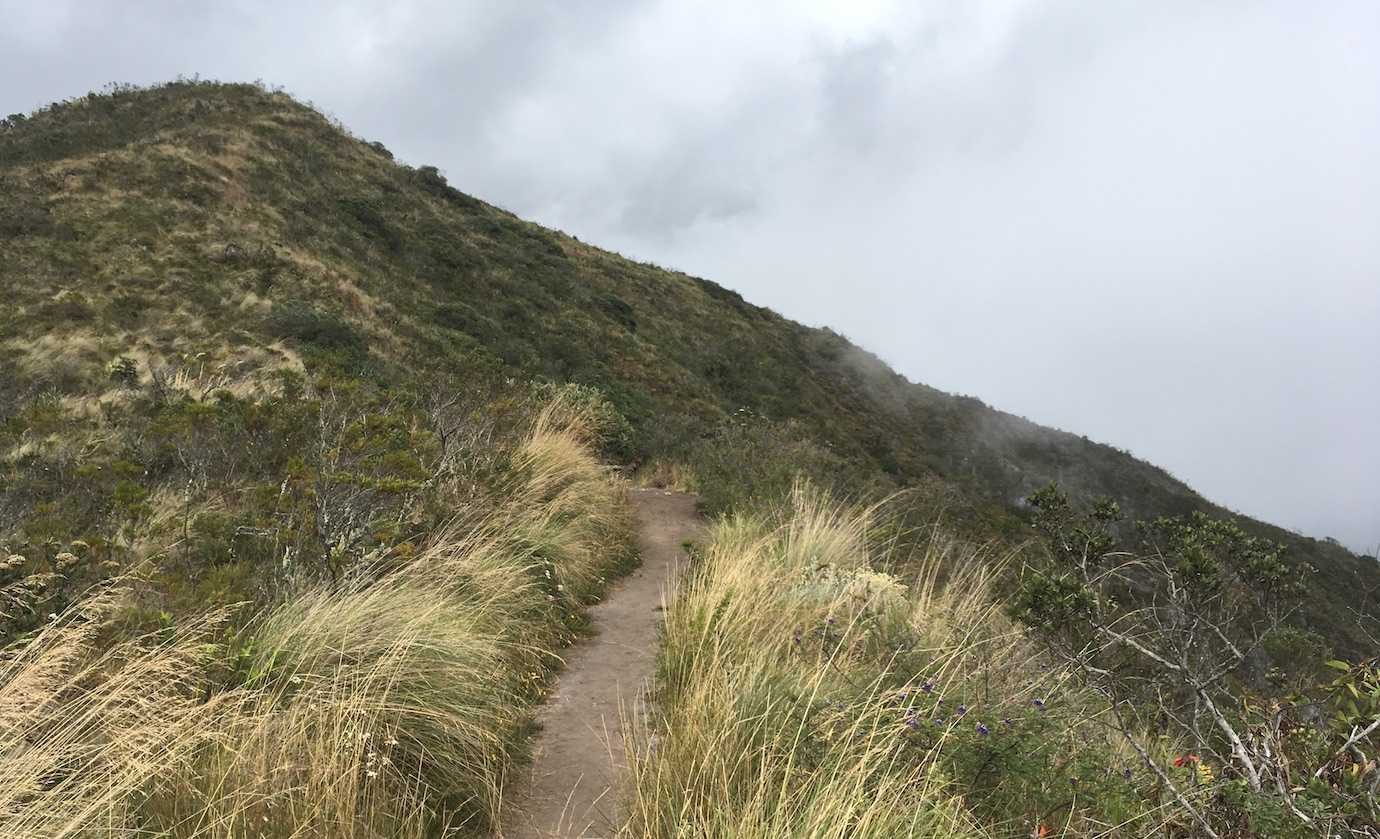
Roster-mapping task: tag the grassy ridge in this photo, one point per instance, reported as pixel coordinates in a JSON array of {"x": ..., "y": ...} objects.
[
  {"x": 227, "y": 231},
  {"x": 389, "y": 702},
  {"x": 289, "y": 542}
]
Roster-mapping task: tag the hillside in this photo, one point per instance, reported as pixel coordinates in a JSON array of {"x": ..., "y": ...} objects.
[{"x": 224, "y": 237}]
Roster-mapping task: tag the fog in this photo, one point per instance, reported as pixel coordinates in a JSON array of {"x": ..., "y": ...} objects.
[{"x": 1156, "y": 224}]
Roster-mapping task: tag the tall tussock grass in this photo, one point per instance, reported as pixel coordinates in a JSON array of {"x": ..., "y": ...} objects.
[
  {"x": 388, "y": 703},
  {"x": 802, "y": 692}
]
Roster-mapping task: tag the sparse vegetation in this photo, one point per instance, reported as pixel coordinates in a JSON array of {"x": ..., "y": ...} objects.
[{"x": 306, "y": 474}]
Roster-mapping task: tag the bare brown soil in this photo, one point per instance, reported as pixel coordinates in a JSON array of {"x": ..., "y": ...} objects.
[{"x": 568, "y": 791}]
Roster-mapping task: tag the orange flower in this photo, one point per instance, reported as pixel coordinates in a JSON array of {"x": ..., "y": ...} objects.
[{"x": 1184, "y": 760}]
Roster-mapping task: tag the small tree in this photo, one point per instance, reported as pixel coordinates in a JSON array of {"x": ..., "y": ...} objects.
[
  {"x": 1168, "y": 633},
  {"x": 362, "y": 477}
]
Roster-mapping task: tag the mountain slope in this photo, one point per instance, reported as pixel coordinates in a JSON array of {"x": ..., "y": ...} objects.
[{"x": 229, "y": 229}]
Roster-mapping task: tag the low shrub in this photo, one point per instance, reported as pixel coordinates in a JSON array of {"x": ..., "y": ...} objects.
[{"x": 751, "y": 461}]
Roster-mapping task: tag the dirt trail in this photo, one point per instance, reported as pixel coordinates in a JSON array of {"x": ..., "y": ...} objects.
[{"x": 568, "y": 791}]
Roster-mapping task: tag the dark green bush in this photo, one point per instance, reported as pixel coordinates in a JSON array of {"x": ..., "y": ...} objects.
[
  {"x": 431, "y": 180},
  {"x": 369, "y": 215},
  {"x": 313, "y": 327},
  {"x": 24, "y": 217},
  {"x": 752, "y": 461},
  {"x": 69, "y": 308}
]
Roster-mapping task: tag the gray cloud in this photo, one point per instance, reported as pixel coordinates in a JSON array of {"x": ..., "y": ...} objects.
[{"x": 1154, "y": 224}]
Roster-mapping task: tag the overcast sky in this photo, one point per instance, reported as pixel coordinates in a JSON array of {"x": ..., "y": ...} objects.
[{"x": 1153, "y": 223}]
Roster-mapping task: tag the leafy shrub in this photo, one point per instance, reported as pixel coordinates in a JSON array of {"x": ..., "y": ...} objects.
[
  {"x": 618, "y": 309},
  {"x": 124, "y": 371},
  {"x": 307, "y": 324},
  {"x": 612, "y": 433},
  {"x": 1169, "y": 630},
  {"x": 327, "y": 336},
  {"x": 752, "y": 461},
  {"x": 431, "y": 180},
  {"x": 367, "y": 213}
]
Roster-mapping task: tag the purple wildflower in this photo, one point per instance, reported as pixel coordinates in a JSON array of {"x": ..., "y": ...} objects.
[
  {"x": 983, "y": 730},
  {"x": 962, "y": 709},
  {"x": 928, "y": 686},
  {"x": 1038, "y": 703}
]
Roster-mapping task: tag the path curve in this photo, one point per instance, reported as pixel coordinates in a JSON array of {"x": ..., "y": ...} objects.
[{"x": 568, "y": 790}]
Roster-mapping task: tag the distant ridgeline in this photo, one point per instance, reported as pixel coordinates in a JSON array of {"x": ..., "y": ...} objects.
[{"x": 201, "y": 238}]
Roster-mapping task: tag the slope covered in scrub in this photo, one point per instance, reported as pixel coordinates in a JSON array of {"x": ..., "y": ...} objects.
[
  {"x": 212, "y": 239},
  {"x": 305, "y": 479},
  {"x": 389, "y": 701}
]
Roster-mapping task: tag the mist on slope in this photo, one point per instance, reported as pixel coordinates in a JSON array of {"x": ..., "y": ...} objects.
[{"x": 1152, "y": 224}]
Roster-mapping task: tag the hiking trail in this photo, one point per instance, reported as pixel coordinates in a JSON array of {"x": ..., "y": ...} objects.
[{"x": 568, "y": 791}]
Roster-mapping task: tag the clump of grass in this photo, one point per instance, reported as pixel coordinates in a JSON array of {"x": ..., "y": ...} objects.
[
  {"x": 745, "y": 752},
  {"x": 85, "y": 725},
  {"x": 390, "y": 702},
  {"x": 804, "y": 693},
  {"x": 748, "y": 742},
  {"x": 397, "y": 696}
]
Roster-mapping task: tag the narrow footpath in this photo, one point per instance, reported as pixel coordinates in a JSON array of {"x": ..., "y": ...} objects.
[{"x": 569, "y": 790}]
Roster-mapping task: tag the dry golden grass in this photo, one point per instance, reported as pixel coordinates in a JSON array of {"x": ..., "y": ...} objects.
[
  {"x": 84, "y": 726},
  {"x": 389, "y": 704},
  {"x": 664, "y": 474},
  {"x": 738, "y": 751},
  {"x": 793, "y": 673}
]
